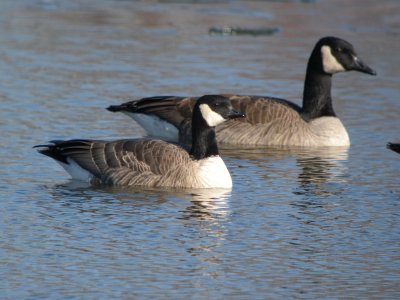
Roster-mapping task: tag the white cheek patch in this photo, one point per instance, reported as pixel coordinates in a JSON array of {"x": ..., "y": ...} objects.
[
  {"x": 211, "y": 117},
  {"x": 329, "y": 62}
]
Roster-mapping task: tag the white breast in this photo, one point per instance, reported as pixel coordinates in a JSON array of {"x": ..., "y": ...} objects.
[
  {"x": 212, "y": 173},
  {"x": 329, "y": 131}
]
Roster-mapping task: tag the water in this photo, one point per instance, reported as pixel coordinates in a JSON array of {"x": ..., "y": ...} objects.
[{"x": 298, "y": 223}]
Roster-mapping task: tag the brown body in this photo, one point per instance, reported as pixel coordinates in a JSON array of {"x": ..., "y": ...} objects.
[{"x": 268, "y": 122}]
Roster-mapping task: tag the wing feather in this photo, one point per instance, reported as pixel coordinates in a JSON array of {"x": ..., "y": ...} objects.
[{"x": 169, "y": 108}]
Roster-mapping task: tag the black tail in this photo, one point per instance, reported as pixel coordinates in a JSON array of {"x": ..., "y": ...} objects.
[
  {"x": 53, "y": 151},
  {"x": 60, "y": 150},
  {"x": 122, "y": 107},
  {"x": 143, "y": 105},
  {"x": 393, "y": 146}
]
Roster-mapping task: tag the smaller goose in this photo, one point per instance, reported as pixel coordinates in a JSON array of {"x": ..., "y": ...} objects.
[
  {"x": 394, "y": 146},
  {"x": 269, "y": 121},
  {"x": 149, "y": 162}
]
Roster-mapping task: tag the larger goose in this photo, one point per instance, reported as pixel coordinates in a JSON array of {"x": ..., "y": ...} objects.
[
  {"x": 269, "y": 121},
  {"x": 152, "y": 163}
]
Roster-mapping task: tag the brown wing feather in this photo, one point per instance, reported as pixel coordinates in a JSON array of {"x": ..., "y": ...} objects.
[
  {"x": 268, "y": 121},
  {"x": 169, "y": 108},
  {"x": 144, "y": 162},
  {"x": 261, "y": 110}
]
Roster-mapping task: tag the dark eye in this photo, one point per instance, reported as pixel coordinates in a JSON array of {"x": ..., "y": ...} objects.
[{"x": 339, "y": 49}]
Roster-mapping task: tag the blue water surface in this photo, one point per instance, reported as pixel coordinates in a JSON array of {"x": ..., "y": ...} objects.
[{"x": 298, "y": 223}]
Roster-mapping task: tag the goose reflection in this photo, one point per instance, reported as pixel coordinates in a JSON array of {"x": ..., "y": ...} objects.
[
  {"x": 208, "y": 205},
  {"x": 78, "y": 191},
  {"x": 319, "y": 168},
  {"x": 205, "y": 221},
  {"x": 204, "y": 204}
]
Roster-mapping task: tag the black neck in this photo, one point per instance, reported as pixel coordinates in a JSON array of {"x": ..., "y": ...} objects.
[
  {"x": 204, "y": 142},
  {"x": 317, "y": 100}
]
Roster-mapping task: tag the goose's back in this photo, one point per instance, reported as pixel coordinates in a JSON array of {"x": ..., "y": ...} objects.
[
  {"x": 269, "y": 121},
  {"x": 151, "y": 163},
  {"x": 136, "y": 162}
]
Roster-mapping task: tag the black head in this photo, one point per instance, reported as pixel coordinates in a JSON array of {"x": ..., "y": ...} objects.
[
  {"x": 208, "y": 112},
  {"x": 337, "y": 55},
  {"x": 215, "y": 109}
]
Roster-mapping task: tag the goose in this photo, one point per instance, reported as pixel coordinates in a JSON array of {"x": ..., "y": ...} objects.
[
  {"x": 151, "y": 162},
  {"x": 269, "y": 121},
  {"x": 394, "y": 146}
]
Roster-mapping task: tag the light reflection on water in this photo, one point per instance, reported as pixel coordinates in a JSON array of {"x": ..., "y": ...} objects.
[{"x": 298, "y": 223}]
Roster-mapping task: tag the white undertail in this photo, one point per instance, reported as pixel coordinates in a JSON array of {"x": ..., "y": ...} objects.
[
  {"x": 156, "y": 127},
  {"x": 76, "y": 171}
]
